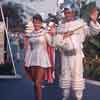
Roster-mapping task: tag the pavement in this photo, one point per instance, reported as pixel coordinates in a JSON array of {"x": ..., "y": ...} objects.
[{"x": 22, "y": 88}]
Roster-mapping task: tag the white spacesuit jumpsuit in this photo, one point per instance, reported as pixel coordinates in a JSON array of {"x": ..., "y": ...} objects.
[{"x": 72, "y": 55}]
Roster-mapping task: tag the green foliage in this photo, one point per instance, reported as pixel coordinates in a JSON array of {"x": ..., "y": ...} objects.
[
  {"x": 85, "y": 10},
  {"x": 14, "y": 13},
  {"x": 6, "y": 69},
  {"x": 92, "y": 69},
  {"x": 91, "y": 63}
]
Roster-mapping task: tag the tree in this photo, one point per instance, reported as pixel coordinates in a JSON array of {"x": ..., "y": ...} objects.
[
  {"x": 85, "y": 9},
  {"x": 14, "y": 12}
]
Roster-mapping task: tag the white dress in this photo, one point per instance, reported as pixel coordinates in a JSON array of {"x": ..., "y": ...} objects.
[
  {"x": 36, "y": 53},
  {"x": 72, "y": 66}
]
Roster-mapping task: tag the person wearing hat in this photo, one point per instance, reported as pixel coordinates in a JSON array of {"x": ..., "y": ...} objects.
[
  {"x": 71, "y": 34},
  {"x": 71, "y": 54}
]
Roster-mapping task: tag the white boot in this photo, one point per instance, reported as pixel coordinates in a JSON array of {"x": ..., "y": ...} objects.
[
  {"x": 65, "y": 93},
  {"x": 79, "y": 94}
]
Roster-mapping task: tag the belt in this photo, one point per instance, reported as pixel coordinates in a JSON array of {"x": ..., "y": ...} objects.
[{"x": 70, "y": 52}]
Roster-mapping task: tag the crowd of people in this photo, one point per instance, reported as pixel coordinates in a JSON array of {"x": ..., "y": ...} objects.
[{"x": 68, "y": 36}]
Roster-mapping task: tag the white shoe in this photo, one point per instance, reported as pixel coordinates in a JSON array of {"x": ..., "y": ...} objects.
[
  {"x": 43, "y": 86},
  {"x": 78, "y": 99}
]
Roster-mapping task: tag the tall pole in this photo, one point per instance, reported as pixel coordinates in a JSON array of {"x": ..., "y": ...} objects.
[{"x": 6, "y": 31}]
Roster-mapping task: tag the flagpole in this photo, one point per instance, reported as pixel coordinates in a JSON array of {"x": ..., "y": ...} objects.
[{"x": 6, "y": 31}]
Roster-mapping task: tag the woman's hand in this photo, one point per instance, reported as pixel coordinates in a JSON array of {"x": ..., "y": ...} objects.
[{"x": 52, "y": 30}]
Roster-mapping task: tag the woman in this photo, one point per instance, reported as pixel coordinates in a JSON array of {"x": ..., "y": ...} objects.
[
  {"x": 36, "y": 57},
  {"x": 50, "y": 73}
]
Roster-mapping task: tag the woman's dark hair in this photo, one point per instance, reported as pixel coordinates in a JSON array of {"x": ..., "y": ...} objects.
[{"x": 37, "y": 17}]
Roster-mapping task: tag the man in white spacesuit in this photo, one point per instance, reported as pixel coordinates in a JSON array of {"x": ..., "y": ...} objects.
[{"x": 70, "y": 38}]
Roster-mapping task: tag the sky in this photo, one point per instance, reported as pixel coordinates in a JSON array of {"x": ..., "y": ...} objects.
[
  {"x": 39, "y": 5},
  {"x": 44, "y": 7},
  {"x": 98, "y": 3}
]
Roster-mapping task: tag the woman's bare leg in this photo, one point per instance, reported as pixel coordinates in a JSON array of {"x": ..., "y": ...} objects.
[{"x": 38, "y": 73}]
